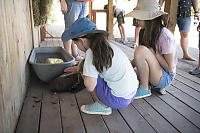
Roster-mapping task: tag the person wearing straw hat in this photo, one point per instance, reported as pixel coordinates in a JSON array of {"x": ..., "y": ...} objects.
[
  {"x": 155, "y": 58},
  {"x": 107, "y": 71}
]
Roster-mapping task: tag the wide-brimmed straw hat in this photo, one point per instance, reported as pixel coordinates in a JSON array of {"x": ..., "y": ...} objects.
[
  {"x": 148, "y": 10},
  {"x": 79, "y": 28}
]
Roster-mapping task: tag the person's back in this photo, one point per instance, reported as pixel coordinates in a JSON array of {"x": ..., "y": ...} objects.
[{"x": 120, "y": 77}]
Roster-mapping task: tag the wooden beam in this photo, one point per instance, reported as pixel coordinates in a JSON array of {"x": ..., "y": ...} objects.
[
  {"x": 171, "y": 8},
  {"x": 90, "y": 10},
  {"x": 110, "y": 19}
]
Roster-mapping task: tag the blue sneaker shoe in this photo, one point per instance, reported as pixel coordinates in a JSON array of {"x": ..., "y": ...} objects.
[
  {"x": 123, "y": 43},
  {"x": 96, "y": 108},
  {"x": 141, "y": 93}
]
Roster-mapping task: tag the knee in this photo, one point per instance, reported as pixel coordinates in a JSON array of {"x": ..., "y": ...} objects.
[
  {"x": 140, "y": 51},
  {"x": 184, "y": 34}
]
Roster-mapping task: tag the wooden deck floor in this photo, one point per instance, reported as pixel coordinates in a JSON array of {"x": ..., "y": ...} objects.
[{"x": 177, "y": 111}]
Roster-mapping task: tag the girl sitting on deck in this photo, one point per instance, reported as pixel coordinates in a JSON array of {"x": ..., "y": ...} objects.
[
  {"x": 155, "y": 58},
  {"x": 107, "y": 72}
]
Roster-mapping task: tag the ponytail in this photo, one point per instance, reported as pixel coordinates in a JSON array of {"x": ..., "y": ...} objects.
[{"x": 101, "y": 50}]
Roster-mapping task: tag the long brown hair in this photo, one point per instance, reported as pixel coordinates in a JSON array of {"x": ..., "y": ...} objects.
[
  {"x": 150, "y": 34},
  {"x": 101, "y": 50}
]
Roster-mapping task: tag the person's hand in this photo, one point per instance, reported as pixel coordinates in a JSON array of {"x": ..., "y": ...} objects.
[
  {"x": 71, "y": 70},
  {"x": 64, "y": 7}
]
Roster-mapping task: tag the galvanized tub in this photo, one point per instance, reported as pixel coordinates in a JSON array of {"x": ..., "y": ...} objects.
[{"x": 45, "y": 71}]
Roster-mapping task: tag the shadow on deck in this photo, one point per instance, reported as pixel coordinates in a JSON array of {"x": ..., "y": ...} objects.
[{"x": 177, "y": 111}]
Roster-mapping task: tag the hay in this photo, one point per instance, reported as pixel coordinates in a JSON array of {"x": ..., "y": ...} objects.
[{"x": 41, "y": 10}]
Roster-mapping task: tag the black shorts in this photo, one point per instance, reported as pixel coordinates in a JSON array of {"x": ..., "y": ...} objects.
[
  {"x": 120, "y": 18},
  {"x": 135, "y": 23}
]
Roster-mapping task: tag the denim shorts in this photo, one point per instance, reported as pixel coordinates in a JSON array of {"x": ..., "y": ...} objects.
[
  {"x": 183, "y": 24},
  {"x": 76, "y": 9},
  {"x": 165, "y": 80},
  {"x": 104, "y": 94}
]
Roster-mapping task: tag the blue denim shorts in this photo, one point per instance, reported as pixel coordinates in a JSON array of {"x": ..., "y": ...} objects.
[
  {"x": 76, "y": 9},
  {"x": 104, "y": 94},
  {"x": 165, "y": 80},
  {"x": 183, "y": 24}
]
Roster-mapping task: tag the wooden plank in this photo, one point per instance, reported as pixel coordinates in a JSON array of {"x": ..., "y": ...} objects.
[
  {"x": 188, "y": 76},
  {"x": 135, "y": 121},
  {"x": 71, "y": 119},
  {"x": 188, "y": 82},
  {"x": 60, "y": 43},
  {"x": 190, "y": 101},
  {"x": 116, "y": 123},
  {"x": 187, "y": 89},
  {"x": 50, "y": 113},
  {"x": 93, "y": 123},
  {"x": 176, "y": 119},
  {"x": 182, "y": 108},
  {"x": 30, "y": 114},
  {"x": 156, "y": 120}
]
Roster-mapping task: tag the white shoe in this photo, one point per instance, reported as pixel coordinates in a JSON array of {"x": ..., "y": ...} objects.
[
  {"x": 195, "y": 71},
  {"x": 162, "y": 91}
]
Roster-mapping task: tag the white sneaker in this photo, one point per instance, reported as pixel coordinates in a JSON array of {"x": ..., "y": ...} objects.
[
  {"x": 162, "y": 91},
  {"x": 195, "y": 71}
]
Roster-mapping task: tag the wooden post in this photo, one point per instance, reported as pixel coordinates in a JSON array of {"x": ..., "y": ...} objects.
[
  {"x": 110, "y": 19},
  {"x": 90, "y": 10},
  {"x": 171, "y": 8}
]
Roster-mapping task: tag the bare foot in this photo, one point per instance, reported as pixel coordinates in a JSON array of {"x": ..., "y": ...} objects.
[{"x": 189, "y": 58}]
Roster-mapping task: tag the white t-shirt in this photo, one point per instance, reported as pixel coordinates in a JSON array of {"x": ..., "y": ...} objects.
[
  {"x": 120, "y": 77},
  {"x": 117, "y": 11}
]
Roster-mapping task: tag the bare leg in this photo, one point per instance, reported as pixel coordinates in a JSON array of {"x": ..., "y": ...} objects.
[
  {"x": 184, "y": 46},
  {"x": 97, "y": 99},
  {"x": 67, "y": 46},
  {"x": 148, "y": 68},
  {"x": 74, "y": 49},
  {"x": 137, "y": 31},
  {"x": 121, "y": 30}
]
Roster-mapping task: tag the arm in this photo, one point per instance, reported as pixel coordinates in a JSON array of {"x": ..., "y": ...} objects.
[
  {"x": 166, "y": 61},
  {"x": 195, "y": 7},
  {"x": 63, "y": 6},
  {"x": 89, "y": 82}
]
